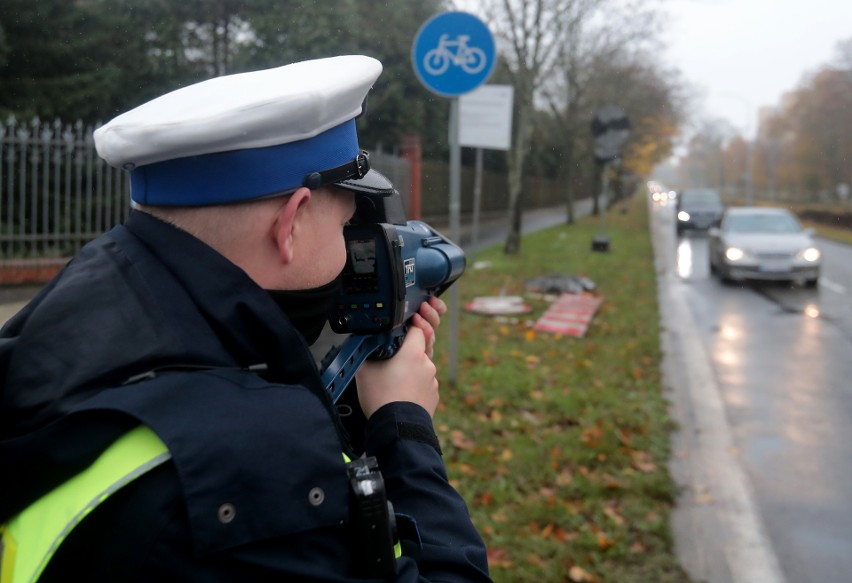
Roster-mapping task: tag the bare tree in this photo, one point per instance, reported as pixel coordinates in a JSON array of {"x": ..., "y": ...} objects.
[
  {"x": 843, "y": 54},
  {"x": 608, "y": 59},
  {"x": 552, "y": 51},
  {"x": 704, "y": 163},
  {"x": 529, "y": 35}
]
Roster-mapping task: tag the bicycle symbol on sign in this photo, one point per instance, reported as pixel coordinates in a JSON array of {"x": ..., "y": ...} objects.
[{"x": 438, "y": 60}]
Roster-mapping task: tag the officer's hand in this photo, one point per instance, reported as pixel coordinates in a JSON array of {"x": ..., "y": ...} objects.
[
  {"x": 410, "y": 374},
  {"x": 430, "y": 311}
]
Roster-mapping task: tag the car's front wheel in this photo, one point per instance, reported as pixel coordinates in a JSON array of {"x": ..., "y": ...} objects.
[{"x": 724, "y": 277}]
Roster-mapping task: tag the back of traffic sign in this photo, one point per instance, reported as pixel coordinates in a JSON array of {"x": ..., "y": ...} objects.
[
  {"x": 611, "y": 127},
  {"x": 453, "y": 53}
]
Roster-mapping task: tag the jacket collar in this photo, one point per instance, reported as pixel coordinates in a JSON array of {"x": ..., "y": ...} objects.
[{"x": 248, "y": 323}]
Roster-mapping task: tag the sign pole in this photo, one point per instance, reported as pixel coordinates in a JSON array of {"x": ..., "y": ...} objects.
[
  {"x": 477, "y": 198},
  {"x": 611, "y": 127},
  {"x": 455, "y": 233},
  {"x": 452, "y": 54},
  {"x": 604, "y": 198}
]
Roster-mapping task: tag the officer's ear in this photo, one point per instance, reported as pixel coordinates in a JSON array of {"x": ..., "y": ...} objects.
[{"x": 286, "y": 224}]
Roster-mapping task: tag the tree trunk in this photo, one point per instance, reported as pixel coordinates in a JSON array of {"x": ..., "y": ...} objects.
[
  {"x": 516, "y": 178},
  {"x": 597, "y": 189},
  {"x": 568, "y": 180}
]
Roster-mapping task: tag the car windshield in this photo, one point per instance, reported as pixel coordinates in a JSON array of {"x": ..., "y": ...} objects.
[
  {"x": 762, "y": 224},
  {"x": 700, "y": 199}
]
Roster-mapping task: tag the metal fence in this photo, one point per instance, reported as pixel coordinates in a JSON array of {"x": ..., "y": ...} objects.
[{"x": 56, "y": 193}]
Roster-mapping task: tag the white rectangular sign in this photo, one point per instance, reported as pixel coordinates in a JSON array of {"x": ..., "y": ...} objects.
[{"x": 485, "y": 117}]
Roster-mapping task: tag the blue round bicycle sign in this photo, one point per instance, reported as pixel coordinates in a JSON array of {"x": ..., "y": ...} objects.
[{"x": 453, "y": 53}]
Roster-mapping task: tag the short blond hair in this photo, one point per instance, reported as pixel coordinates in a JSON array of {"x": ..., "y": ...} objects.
[{"x": 222, "y": 227}]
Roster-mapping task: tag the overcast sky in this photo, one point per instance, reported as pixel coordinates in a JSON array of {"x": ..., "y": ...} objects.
[{"x": 744, "y": 54}]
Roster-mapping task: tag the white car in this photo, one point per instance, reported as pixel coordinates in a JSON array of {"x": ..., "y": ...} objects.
[{"x": 763, "y": 243}]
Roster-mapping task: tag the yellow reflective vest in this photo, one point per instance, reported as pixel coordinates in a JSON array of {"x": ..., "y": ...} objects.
[{"x": 31, "y": 538}]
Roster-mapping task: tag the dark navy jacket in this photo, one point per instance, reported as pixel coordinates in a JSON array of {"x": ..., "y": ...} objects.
[{"x": 149, "y": 325}]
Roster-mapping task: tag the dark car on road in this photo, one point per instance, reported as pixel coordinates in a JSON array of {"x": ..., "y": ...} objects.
[{"x": 698, "y": 209}]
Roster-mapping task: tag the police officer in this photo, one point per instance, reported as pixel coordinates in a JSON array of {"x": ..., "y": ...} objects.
[{"x": 162, "y": 417}]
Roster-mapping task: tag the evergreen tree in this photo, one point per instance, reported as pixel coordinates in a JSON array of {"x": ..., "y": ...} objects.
[{"x": 93, "y": 59}]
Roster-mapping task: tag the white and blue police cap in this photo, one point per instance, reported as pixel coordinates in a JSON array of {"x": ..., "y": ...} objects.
[{"x": 247, "y": 136}]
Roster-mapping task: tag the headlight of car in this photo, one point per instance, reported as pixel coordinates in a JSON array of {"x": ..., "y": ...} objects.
[
  {"x": 734, "y": 254},
  {"x": 810, "y": 254},
  {"x": 683, "y": 216}
]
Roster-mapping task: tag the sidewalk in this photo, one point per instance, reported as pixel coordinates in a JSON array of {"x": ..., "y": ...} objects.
[
  {"x": 9, "y": 310},
  {"x": 14, "y": 297}
]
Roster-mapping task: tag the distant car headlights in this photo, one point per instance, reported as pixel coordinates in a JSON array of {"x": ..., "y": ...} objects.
[
  {"x": 683, "y": 216},
  {"x": 811, "y": 254},
  {"x": 734, "y": 254}
]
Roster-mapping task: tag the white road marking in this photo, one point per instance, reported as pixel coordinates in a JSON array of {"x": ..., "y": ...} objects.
[
  {"x": 745, "y": 544},
  {"x": 748, "y": 550},
  {"x": 832, "y": 286}
]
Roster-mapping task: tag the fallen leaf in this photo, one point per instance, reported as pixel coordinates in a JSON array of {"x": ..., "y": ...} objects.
[
  {"x": 703, "y": 496},
  {"x": 579, "y": 575},
  {"x": 486, "y": 499},
  {"x": 458, "y": 439},
  {"x": 498, "y": 558},
  {"x": 592, "y": 436},
  {"x": 562, "y": 535},
  {"x": 613, "y": 515},
  {"x": 604, "y": 542},
  {"x": 611, "y": 482},
  {"x": 500, "y": 517},
  {"x": 547, "y": 492},
  {"x": 643, "y": 462},
  {"x": 565, "y": 477}
]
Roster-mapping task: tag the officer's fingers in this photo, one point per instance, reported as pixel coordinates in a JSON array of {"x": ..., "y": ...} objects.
[
  {"x": 431, "y": 314},
  {"x": 415, "y": 336},
  {"x": 438, "y": 304},
  {"x": 426, "y": 334}
]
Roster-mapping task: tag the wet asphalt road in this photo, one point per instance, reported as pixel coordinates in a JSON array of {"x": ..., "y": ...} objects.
[{"x": 780, "y": 360}]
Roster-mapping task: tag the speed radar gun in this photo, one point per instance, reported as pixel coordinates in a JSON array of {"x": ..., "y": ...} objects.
[{"x": 392, "y": 266}]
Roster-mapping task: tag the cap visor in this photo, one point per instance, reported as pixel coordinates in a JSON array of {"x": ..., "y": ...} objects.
[{"x": 373, "y": 182}]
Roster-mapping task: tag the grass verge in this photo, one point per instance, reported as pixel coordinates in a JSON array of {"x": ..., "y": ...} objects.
[{"x": 559, "y": 444}]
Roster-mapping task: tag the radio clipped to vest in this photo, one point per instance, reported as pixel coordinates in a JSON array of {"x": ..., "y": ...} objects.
[{"x": 372, "y": 518}]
